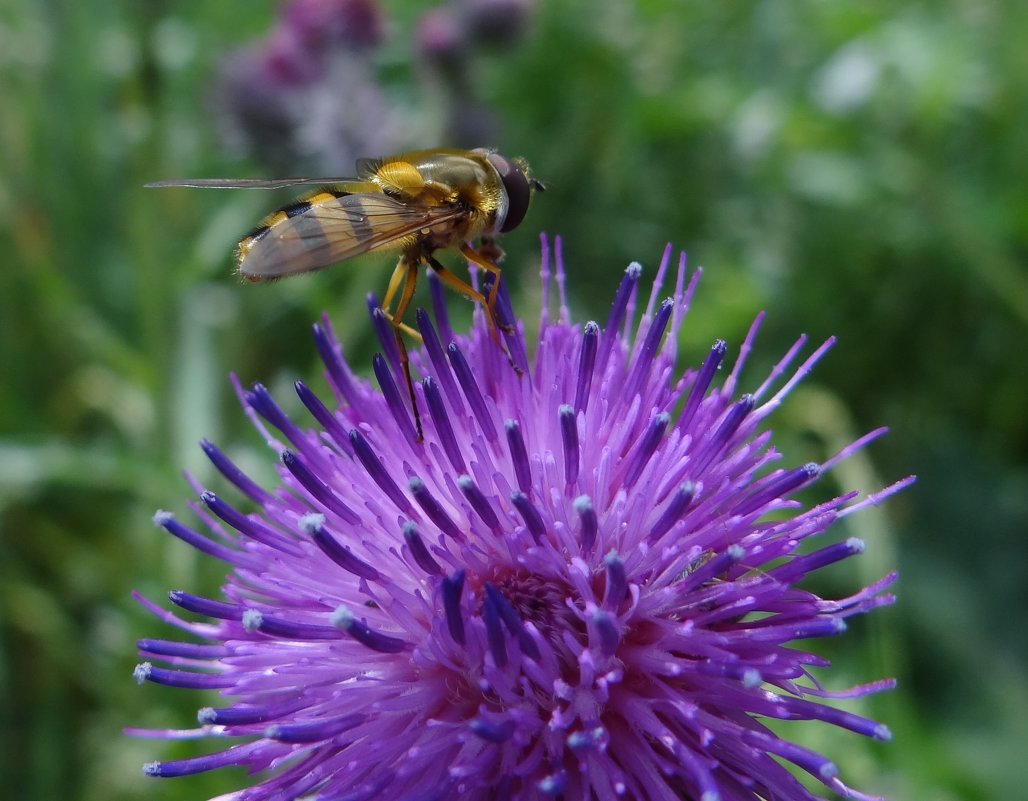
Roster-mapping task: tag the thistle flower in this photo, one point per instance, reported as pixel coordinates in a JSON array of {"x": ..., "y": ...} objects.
[{"x": 583, "y": 584}]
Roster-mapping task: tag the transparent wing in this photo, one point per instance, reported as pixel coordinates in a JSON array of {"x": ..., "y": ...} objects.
[
  {"x": 246, "y": 183},
  {"x": 327, "y": 230}
]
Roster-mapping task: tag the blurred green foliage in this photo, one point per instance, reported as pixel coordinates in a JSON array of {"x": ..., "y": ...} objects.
[{"x": 856, "y": 168}]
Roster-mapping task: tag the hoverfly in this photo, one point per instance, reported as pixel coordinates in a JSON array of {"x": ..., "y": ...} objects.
[{"x": 415, "y": 203}]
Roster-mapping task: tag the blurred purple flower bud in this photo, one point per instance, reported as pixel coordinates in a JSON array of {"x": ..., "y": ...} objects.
[
  {"x": 325, "y": 23},
  {"x": 495, "y": 22}
]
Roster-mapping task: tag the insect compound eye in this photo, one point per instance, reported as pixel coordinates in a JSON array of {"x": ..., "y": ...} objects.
[{"x": 518, "y": 189}]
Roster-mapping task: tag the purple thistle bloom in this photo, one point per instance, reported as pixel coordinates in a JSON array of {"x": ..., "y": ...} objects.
[{"x": 570, "y": 590}]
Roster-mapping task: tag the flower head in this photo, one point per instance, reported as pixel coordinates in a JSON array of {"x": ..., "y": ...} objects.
[{"x": 583, "y": 584}]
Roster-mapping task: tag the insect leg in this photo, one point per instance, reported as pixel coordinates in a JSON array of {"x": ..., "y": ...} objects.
[
  {"x": 480, "y": 260},
  {"x": 410, "y": 276},
  {"x": 399, "y": 274},
  {"x": 465, "y": 289},
  {"x": 472, "y": 294},
  {"x": 469, "y": 292},
  {"x": 394, "y": 284}
]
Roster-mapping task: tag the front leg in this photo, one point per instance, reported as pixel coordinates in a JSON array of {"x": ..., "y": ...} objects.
[
  {"x": 480, "y": 260},
  {"x": 468, "y": 291}
]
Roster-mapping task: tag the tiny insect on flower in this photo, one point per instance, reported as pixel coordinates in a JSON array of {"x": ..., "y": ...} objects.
[
  {"x": 415, "y": 203},
  {"x": 586, "y": 582}
]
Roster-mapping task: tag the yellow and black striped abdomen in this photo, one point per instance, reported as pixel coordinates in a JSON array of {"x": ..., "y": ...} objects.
[
  {"x": 333, "y": 226},
  {"x": 294, "y": 240}
]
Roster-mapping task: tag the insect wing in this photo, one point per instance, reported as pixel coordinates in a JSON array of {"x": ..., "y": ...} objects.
[
  {"x": 327, "y": 229},
  {"x": 245, "y": 183}
]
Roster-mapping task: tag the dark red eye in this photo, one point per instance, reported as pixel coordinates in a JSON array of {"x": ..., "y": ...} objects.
[{"x": 519, "y": 191}]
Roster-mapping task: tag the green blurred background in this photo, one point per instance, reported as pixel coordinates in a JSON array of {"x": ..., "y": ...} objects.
[{"x": 855, "y": 168}]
